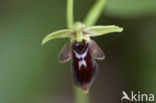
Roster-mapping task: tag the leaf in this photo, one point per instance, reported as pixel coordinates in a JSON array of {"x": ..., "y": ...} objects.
[
  {"x": 65, "y": 33},
  {"x": 102, "y": 30}
]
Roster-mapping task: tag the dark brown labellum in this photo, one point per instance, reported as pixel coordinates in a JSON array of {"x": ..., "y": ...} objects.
[{"x": 84, "y": 67}]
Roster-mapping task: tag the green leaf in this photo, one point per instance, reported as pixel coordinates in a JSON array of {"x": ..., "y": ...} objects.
[
  {"x": 65, "y": 33},
  {"x": 102, "y": 30},
  {"x": 94, "y": 13}
]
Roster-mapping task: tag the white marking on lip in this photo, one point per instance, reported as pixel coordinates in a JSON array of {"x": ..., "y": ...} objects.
[
  {"x": 82, "y": 62},
  {"x": 81, "y": 56}
]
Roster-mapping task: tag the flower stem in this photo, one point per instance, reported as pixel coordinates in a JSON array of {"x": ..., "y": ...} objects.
[
  {"x": 94, "y": 13},
  {"x": 80, "y": 97},
  {"x": 69, "y": 13},
  {"x": 91, "y": 18}
]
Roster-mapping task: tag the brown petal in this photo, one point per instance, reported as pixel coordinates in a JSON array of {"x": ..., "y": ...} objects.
[
  {"x": 66, "y": 53},
  {"x": 96, "y": 51}
]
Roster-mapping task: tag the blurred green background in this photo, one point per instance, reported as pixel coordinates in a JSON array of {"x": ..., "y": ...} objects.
[{"x": 31, "y": 73}]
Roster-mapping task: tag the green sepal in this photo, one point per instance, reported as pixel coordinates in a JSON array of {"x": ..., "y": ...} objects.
[
  {"x": 102, "y": 30},
  {"x": 64, "y": 33}
]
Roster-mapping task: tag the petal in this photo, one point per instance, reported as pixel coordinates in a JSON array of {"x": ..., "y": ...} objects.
[
  {"x": 96, "y": 51},
  {"x": 102, "y": 30},
  {"x": 65, "y": 33},
  {"x": 66, "y": 53}
]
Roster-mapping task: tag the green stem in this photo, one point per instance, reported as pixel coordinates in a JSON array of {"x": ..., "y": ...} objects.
[
  {"x": 80, "y": 97},
  {"x": 94, "y": 13},
  {"x": 69, "y": 13},
  {"x": 91, "y": 18}
]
